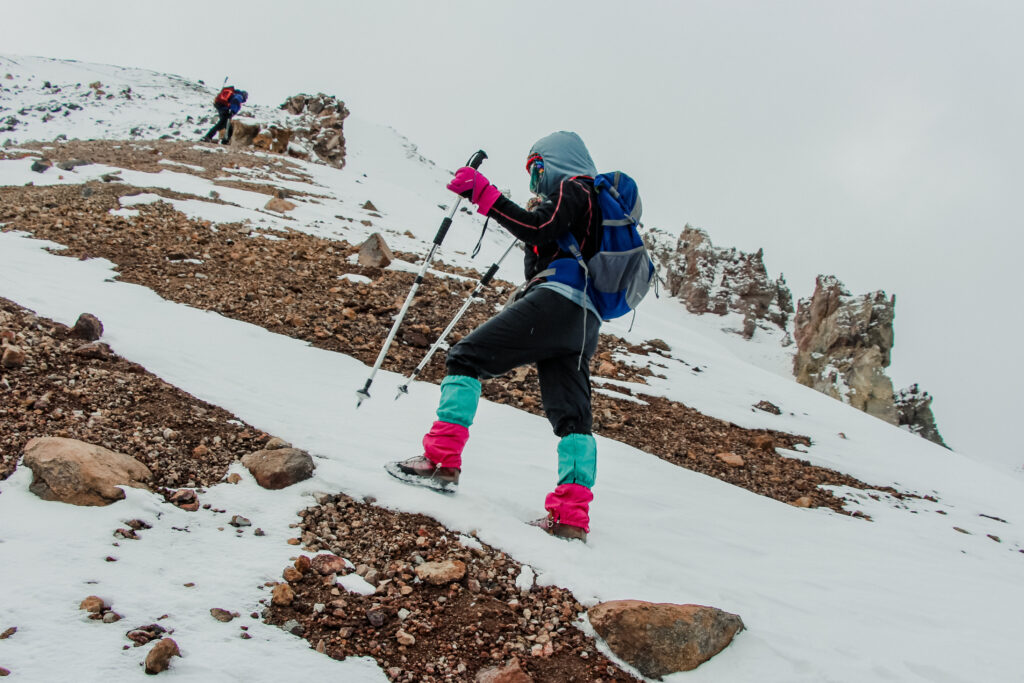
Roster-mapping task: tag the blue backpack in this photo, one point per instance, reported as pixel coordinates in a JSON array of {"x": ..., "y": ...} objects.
[{"x": 618, "y": 276}]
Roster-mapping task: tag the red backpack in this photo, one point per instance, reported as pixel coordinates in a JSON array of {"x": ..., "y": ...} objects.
[{"x": 223, "y": 98}]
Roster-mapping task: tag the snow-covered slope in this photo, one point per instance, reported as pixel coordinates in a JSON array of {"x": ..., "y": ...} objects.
[{"x": 825, "y": 597}]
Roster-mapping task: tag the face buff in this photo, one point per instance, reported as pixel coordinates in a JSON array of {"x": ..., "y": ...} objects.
[{"x": 535, "y": 166}]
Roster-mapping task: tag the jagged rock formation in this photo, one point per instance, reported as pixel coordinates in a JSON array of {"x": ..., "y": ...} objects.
[
  {"x": 321, "y": 119},
  {"x": 844, "y": 344},
  {"x": 715, "y": 280},
  {"x": 914, "y": 411}
]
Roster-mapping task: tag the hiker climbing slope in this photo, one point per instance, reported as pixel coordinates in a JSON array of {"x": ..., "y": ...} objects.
[
  {"x": 228, "y": 102},
  {"x": 551, "y": 324}
]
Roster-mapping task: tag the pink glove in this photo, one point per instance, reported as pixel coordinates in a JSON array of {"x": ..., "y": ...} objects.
[{"x": 471, "y": 184}]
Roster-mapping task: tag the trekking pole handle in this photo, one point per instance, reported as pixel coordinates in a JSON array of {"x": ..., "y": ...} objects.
[
  {"x": 474, "y": 163},
  {"x": 477, "y": 159}
]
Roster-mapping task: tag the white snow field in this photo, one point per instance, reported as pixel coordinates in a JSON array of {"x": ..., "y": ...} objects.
[{"x": 825, "y": 597}]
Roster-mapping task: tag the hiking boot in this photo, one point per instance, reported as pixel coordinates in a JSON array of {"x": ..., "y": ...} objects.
[
  {"x": 566, "y": 531},
  {"x": 420, "y": 471}
]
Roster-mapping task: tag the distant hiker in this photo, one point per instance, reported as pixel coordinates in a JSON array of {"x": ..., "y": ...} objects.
[
  {"x": 550, "y": 324},
  {"x": 228, "y": 102}
]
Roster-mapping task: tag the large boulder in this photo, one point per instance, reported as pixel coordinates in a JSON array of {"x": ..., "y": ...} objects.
[
  {"x": 80, "y": 473},
  {"x": 280, "y": 467},
  {"x": 662, "y": 638},
  {"x": 711, "y": 279},
  {"x": 844, "y": 344}
]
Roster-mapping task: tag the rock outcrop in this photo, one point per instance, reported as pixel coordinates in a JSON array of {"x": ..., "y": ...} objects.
[
  {"x": 320, "y": 125},
  {"x": 844, "y": 344},
  {"x": 914, "y": 412},
  {"x": 313, "y": 132},
  {"x": 79, "y": 473},
  {"x": 661, "y": 638},
  {"x": 715, "y": 280}
]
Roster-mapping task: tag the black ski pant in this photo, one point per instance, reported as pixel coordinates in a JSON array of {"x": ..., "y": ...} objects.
[
  {"x": 547, "y": 329},
  {"x": 224, "y": 122}
]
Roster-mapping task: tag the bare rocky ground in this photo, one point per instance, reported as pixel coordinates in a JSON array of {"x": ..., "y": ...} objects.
[{"x": 290, "y": 285}]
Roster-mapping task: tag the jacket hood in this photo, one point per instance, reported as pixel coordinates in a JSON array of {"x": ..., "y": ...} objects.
[{"x": 564, "y": 156}]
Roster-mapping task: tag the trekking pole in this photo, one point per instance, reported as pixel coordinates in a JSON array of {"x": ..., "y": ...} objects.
[
  {"x": 484, "y": 281},
  {"x": 364, "y": 393}
]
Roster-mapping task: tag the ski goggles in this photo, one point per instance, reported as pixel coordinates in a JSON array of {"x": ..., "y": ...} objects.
[{"x": 535, "y": 167}]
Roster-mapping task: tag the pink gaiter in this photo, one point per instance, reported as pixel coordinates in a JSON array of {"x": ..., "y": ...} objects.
[
  {"x": 443, "y": 444},
  {"x": 570, "y": 504}
]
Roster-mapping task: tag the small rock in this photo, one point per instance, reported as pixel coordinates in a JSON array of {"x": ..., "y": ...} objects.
[
  {"x": 730, "y": 459},
  {"x": 8, "y": 633},
  {"x": 376, "y": 618},
  {"x": 238, "y": 520},
  {"x": 291, "y": 574},
  {"x": 111, "y": 617},
  {"x": 4, "y": 672},
  {"x": 93, "y": 350},
  {"x": 440, "y": 573},
  {"x": 375, "y": 253},
  {"x": 234, "y": 478},
  {"x": 321, "y": 646},
  {"x": 93, "y": 604},
  {"x": 276, "y": 443},
  {"x": 87, "y": 327},
  {"x": 221, "y": 615},
  {"x": 329, "y": 564},
  {"x": 282, "y": 595},
  {"x": 404, "y": 638},
  {"x": 303, "y": 564},
  {"x": 803, "y": 502},
  {"x": 159, "y": 658},
  {"x": 276, "y": 469},
  {"x": 768, "y": 407},
  {"x": 293, "y": 627},
  {"x": 279, "y": 205},
  {"x": 13, "y": 357},
  {"x": 259, "y": 532},
  {"x": 511, "y": 673},
  {"x": 41, "y": 165},
  {"x": 403, "y": 614}
]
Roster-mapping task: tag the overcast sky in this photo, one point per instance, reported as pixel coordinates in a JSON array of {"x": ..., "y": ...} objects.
[{"x": 877, "y": 141}]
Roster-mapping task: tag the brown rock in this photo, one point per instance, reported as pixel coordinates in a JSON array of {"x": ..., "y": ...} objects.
[
  {"x": 8, "y": 633},
  {"x": 440, "y": 573},
  {"x": 234, "y": 478},
  {"x": 329, "y": 564},
  {"x": 511, "y": 673},
  {"x": 404, "y": 638},
  {"x": 13, "y": 357},
  {"x": 87, "y": 327},
  {"x": 159, "y": 658},
  {"x": 221, "y": 614},
  {"x": 662, "y": 638},
  {"x": 730, "y": 459},
  {"x": 79, "y": 473},
  {"x": 765, "y": 443},
  {"x": 275, "y": 444},
  {"x": 606, "y": 369},
  {"x": 803, "y": 502},
  {"x": 93, "y": 604},
  {"x": 279, "y": 205},
  {"x": 375, "y": 253},
  {"x": 95, "y": 350},
  {"x": 282, "y": 595},
  {"x": 279, "y": 468},
  {"x": 303, "y": 563},
  {"x": 291, "y": 574}
]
